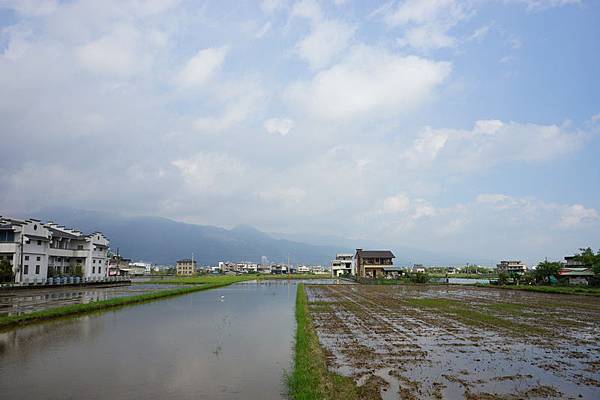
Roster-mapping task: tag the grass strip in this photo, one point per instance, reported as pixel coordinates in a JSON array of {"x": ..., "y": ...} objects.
[
  {"x": 586, "y": 291},
  {"x": 311, "y": 380},
  {"x": 194, "y": 280},
  {"x": 77, "y": 309}
]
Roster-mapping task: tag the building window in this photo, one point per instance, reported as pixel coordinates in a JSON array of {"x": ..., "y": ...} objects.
[
  {"x": 26, "y": 258},
  {"x": 39, "y": 258},
  {"x": 35, "y": 227},
  {"x": 37, "y": 269},
  {"x": 79, "y": 247},
  {"x": 93, "y": 270},
  {"x": 94, "y": 261},
  {"x": 7, "y": 236},
  {"x": 39, "y": 242},
  {"x": 99, "y": 270},
  {"x": 25, "y": 269}
]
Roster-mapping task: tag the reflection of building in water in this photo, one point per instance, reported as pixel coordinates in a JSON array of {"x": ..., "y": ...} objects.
[{"x": 38, "y": 251}]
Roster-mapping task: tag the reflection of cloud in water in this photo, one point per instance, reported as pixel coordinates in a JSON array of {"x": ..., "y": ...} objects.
[{"x": 188, "y": 346}]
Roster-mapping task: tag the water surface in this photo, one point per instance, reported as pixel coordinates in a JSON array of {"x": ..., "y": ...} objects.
[{"x": 228, "y": 343}]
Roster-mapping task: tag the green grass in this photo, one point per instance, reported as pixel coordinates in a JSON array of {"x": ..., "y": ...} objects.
[
  {"x": 76, "y": 309},
  {"x": 468, "y": 316},
  {"x": 463, "y": 275},
  {"x": 194, "y": 280},
  {"x": 293, "y": 276},
  {"x": 511, "y": 308},
  {"x": 310, "y": 379},
  {"x": 588, "y": 291},
  {"x": 202, "y": 279}
]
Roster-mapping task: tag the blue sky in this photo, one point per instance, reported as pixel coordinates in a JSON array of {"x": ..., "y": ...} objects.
[{"x": 469, "y": 127}]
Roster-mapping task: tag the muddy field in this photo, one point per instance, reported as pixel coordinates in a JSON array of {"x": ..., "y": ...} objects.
[{"x": 449, "y": 342}]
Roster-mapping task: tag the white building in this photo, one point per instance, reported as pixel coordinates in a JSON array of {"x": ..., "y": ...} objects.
[
  {"x": 38, "y": 251},
  {"x": 512, "y": 266},
  {"x": 342, "y": 265}
]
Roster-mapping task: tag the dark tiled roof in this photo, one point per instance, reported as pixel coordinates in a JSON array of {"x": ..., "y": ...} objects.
[{"x": 377, "y": 254}]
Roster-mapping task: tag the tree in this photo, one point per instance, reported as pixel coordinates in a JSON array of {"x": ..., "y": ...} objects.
[
  {"x": 515, "y": 277},
  {"x": 419, "y": 277},
  {"x": 591, "y": 260},
  {"x": 6, "y": 272},
  {"x": 546, "y": 269},
  {"x": 502, "y": 278}
]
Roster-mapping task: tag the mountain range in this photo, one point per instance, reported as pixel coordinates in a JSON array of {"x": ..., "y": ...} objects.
[{"x": 163, "y": 241}]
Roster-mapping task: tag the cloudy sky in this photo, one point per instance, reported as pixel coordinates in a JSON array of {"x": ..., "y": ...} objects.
[{"x": 465, "y": 126}]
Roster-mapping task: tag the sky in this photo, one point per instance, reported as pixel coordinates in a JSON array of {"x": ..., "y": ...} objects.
[{"x": 470, "y": 127}]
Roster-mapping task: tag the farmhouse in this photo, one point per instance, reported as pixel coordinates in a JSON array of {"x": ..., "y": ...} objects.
[{"x": 371, "y": 263}]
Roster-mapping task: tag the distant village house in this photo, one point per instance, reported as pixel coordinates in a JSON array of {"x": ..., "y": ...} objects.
[
  {"x": 373, "y": 263},
  {"x": 186, "y": 267}
]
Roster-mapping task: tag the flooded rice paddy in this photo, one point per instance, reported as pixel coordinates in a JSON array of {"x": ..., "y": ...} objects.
[
  {"x": 419, "y": 342},
  {"x": 16, "y": 302},
  {"x": 228, "y": 343}
]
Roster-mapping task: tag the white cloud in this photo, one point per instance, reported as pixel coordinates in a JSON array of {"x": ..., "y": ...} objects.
[
  {"x": 539, "y": 5},
  {"x": 425, "y": 148},
  {"x": 427, "y": 23},
  {"x": 369, "y": 80},
  {"x": 307, "y": 9},
  {"x": 290, "y": 195},
  {"x": 395, "y": 204},
  {"x": 575, "y": 215},
  {"x": 270, "y": 6},
  {"x": 210, "y": 172},
  {"x": 241, "y": 100},
  {"x": 263, "y": 30},
  {"x": 280, "y": 126},
  {"x": 113, "y": 54},
  {"x": 31, "y": 7},
  {"x": 201, "y": 67},
  {"x": 326, "y": 40},
  {"x": 491, "y": 142},
  {"x": 480, "y": 33}
]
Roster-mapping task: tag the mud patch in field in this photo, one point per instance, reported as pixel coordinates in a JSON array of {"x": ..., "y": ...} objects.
[{"x": 416, "y": 342}]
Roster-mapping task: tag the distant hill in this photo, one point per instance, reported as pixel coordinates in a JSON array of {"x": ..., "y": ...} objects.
[{"x": 163, "y": 241}]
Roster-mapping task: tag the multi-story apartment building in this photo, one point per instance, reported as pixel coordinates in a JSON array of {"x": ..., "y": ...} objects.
[
  {"x": 372, "y": 263},
  {"x": 512, "y": 266},
  {"x": 186, "y": 267},
  {"x": 38, "y": 251},
  {"x": 342, "y": 265}
]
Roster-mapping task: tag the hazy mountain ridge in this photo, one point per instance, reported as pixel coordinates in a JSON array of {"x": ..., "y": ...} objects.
[{"x": 163, "y": 241}]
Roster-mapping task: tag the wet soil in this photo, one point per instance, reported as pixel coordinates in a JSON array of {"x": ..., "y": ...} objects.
[{"x": 449, "y": 342}]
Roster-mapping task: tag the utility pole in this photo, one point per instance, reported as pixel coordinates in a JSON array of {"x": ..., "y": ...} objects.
[{"x": 21, "y": 266}]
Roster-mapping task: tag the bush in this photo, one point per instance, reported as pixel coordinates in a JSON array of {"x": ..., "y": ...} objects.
[
  {"x": 6, "y": 272},
  {"x": 419, "y": 277}
]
